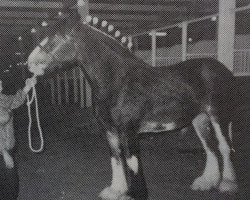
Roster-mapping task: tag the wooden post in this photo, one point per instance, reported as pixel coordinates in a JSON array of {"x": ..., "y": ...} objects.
[
  {"x": 82, "y": 88},
  {"x": 75, "y": 86},
  {"x": 52, "y": 87},
  {"x": 66, "y": 86},
  {"x": 153, "y": 38},
  {"x": 226, "y": 32},
  {"x": 184, "y": 41},
  {"x": 59, "y": 97},
  {"x": 83, "y": 10},
  {"x": 88, "y": 94}
]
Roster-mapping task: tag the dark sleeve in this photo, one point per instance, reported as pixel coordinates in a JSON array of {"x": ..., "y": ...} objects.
[{"x": 18, "y": 99}]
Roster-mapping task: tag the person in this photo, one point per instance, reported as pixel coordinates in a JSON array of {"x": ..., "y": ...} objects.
[{"x": 9, "y": 180}]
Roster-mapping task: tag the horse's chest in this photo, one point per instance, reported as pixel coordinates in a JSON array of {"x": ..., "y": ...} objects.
[{"x": 123, "y": 113}]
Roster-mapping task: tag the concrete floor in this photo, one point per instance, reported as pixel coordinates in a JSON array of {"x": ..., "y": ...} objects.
[{"x": 75, "y": 164}]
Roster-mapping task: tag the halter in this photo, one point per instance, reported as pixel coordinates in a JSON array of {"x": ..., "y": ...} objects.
[
  {"x": 47, "y": 52},
  {"x": 53, "y": 52}
]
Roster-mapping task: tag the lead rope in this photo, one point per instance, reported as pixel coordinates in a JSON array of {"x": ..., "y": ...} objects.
[{"x": 29, "y": 102}]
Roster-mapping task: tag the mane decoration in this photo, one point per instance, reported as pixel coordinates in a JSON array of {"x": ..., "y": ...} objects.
[{"x": 107, "y": 30}]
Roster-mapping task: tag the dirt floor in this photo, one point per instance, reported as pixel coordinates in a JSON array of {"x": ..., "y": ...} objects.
[{"x": 75, "y": 164}]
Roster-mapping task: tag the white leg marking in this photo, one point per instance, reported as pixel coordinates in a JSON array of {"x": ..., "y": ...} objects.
[
  {"x": 119, "y": 185},
  {"x": 9, "y": 162},
  {"x": 230, "y": 131},
  {"x": 119, "y": 182},
  {"x": 211, "y": 174},
  {"x": 133, "y": 164},
  {"x": 113, "y": 140},
  {"x": 228, "y": 177}
]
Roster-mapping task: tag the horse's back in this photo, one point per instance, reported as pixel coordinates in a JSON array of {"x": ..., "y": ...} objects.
[
  {"x": 195, "y": 83},
  {"x": 213, "y": 79}
]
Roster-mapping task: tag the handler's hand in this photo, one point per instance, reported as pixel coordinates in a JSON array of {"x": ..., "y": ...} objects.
[{"x": 30, "y": 82}]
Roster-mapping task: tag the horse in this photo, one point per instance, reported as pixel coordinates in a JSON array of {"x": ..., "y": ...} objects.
[{"x": 132, "y": 98}]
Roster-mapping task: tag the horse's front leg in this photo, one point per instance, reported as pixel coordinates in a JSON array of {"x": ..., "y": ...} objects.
[
  {"x": 119, "y": 186},
  {"x": 136, "y": 180}
]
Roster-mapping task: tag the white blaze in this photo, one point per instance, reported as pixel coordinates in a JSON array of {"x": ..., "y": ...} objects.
[{"x": 35, "y": 58}]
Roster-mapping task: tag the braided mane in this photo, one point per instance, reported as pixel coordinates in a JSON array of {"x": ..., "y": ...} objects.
[{"x": 108, "y": 30}]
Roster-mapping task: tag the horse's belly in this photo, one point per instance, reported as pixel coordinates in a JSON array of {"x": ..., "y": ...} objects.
[
  {"x": 159, "y": 126},
  {"x": 154, "y": 127},
  {"x": 166, "y": 120}
]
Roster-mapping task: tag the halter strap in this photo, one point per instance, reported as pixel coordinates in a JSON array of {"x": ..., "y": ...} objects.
[
  {"x": 52, "y": 54},
  {"x": 47, "y": 52}
]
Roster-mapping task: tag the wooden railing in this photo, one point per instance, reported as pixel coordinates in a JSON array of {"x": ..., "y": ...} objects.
[
  {"x": 70, "y": 87},
  {"x": 241, "y": 61},
  {"x": 166, "y": 61}
]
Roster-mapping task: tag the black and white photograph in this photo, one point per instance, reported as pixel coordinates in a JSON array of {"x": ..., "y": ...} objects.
[{"x": 124, "y": 99}]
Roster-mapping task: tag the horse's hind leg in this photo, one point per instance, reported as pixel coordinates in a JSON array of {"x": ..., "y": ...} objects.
[
  {"x": 228, "y": 182},
  {"x": 211, "y": 174}
]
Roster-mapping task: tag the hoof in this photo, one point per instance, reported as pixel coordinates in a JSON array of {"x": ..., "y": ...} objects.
[
  {"x": 111, "y": 194},
  {"x": 205, "y": 183},
  {"x": 228, "y": 186}
]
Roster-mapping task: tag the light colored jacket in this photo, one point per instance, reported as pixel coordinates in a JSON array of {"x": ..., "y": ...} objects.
[{"x": 7, "y": 104}]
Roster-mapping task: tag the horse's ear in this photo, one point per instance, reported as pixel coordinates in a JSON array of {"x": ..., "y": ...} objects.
[{"x": 73, "y": 17}]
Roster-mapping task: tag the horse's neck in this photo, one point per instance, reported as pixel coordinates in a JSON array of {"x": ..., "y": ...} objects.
[{"x": 106, "y": 71}]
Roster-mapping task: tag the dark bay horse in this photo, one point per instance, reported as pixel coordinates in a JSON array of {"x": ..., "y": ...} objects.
[{"x": 132, "y": 98}]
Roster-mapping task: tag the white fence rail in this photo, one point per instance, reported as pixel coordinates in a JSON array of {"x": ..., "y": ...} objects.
[
  {"x": 166, "y": 61},
  {"x": 241, "y": 61},
  {"x": 70, "y": 87},
  {"x": 204, "y": 55}
]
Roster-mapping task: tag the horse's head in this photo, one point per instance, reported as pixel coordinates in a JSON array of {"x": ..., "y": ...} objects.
[
  {"x": 91, "y": 42},
  {"x": 58, "y": 46}
]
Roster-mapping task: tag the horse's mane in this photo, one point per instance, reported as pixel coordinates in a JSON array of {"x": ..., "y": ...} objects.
[
  {"x": 108, "y": 38},
  {"x": 97, "y": 32}
]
